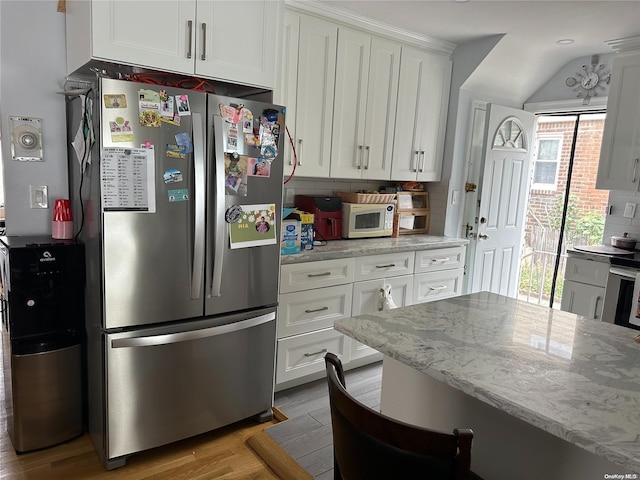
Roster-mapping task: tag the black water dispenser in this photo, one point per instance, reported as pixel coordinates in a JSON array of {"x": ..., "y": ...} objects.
[{"x": 42, "y": 339}]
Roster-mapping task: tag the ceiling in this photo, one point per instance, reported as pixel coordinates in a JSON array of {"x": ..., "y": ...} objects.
[{"x": 528, "y": 55}]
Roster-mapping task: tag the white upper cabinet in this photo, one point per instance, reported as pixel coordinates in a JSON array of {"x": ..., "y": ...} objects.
[
  {"x": 423, "y": 97},
  {"x": 366, "y": 89},
  {"x": 307, "y": 90},
  {"x": 218, "y": 39},
  {"x": 619, "y": 167}
]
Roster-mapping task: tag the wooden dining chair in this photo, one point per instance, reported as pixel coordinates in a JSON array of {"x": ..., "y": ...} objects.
[{"x": 370, "y": 445}]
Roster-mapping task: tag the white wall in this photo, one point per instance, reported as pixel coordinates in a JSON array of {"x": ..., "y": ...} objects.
[{"x": 32, "y": 43}]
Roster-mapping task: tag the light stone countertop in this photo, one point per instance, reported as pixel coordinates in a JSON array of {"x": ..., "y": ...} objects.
[
  {"x": 372, "y": 246},
  {"x": 575, "y": 378}
]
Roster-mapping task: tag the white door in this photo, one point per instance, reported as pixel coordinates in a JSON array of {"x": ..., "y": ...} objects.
[{"x": 503, "y": 196}]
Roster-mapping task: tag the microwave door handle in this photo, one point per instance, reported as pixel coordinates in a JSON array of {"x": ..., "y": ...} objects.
[
  {"x": 218, "y": 217},
  {"x": 199, "y": 214}
]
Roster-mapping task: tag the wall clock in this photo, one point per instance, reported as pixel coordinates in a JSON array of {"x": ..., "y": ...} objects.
[{"x": 590, "y": 81}]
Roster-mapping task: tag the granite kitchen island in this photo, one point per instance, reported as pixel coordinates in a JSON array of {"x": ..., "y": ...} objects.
[{"x": 548, "y": 394}]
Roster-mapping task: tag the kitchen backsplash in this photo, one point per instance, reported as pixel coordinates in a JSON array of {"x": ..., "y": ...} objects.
[
  {"x": 616, "y": 223},
  {"x": 438, "y": 192}
]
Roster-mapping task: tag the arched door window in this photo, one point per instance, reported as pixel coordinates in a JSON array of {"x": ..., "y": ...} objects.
[{"x": 510, "y": 135}]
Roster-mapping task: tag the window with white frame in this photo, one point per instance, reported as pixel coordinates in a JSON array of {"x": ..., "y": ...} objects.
[{"x": 545, "y": 170}]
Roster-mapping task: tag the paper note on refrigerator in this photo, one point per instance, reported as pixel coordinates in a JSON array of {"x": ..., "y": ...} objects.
[
  {"x": 127, "y": 177},
  {"x": 256, "y": 226}
]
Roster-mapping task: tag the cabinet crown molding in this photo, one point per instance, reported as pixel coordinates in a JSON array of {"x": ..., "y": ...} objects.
[
  {"x": 627, "y": 44},
  {"x": 352, "y": 19}
]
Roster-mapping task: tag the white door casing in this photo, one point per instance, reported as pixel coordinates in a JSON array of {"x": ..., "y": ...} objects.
[{"x": 503, "y": 193}]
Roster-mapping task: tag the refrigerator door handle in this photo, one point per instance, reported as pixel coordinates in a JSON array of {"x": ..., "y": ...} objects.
[
  {"x": 153, "y": 340},
  {"x": 218, "y": 254},
  {"x": 199, "y": 221}
]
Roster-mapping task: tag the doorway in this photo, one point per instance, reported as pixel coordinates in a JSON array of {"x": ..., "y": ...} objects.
[{"x": 564, "y": 207}]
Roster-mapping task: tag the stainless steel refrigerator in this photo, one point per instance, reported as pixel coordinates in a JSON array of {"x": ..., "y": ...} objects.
[{"x": 178, "y": 203}]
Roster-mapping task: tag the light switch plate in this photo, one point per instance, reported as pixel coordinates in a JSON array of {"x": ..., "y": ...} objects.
[
  {"x": 39, "y": 197},
  {"x": 629, "y": 210}
]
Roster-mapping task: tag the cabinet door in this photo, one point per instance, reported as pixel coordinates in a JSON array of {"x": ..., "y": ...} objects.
[
  {"x": 236, "y": 41},
  {"x": 423, "y": 96},
  {"x": 619, "y": 167},
  {"x": 367, "y": 299},
  {"x": 582, "y": 299},
  {"x": 134, "y": 33},
  {"x": 432, "y": 117},
  {"x": 314, "y": 96},
  {"x": 349, "y": 105},
  {"x": 405, "y": 144},
  {"x": 367, "y": 296},
  {"x": 382, "y": 95},
  {"x": 288, "y": 80}
]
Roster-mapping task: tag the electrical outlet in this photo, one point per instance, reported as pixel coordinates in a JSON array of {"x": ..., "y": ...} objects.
[
  {"x": 629, "y": 210},
  {"x": 38, "y": 196}
]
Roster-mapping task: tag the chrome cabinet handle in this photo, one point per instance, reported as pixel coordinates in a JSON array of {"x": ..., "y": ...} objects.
[
  {"x": 416, "y": 156},
  {"x": 204, "y": 42},
  {"x": 482, "y": 236},
  {"x": 635, "y": 168},
  {"x": 359, "y": 163},
  {"x": 321, "y": 309},
  {"x": 422, "y": 162},
  {"x": 323, "y": 274},
  {"x": 595, "y": 308},
  {"x": 366, "y": 164},
  {"x": 440, "y": 287},
  {"x": 324, "y": 350},
  {"x": 190, "y": 28},
  {"x": 300, "y": 152},
  {"x": 440, "y": 260},
  {"x": 389, "y": 265}
]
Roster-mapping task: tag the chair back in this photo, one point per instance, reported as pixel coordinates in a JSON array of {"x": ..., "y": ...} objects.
[{"x": 370, "y": 445}]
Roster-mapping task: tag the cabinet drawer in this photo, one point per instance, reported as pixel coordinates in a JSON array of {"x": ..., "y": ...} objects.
[
  {"x": 439, "y": 259},
  {"x": 310, "y": 275},
  {"x": 434, "y": 286},
  {"x": 303, "y": 354},
  {"x": 581, "y": 299},
  {"x": 587, "y": 271},
  {"x": 372, "y": 267},
  {"x": 301, "y": 312}
]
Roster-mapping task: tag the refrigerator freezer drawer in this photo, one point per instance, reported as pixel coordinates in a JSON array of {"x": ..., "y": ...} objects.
[{"x": 164, "y": 385}]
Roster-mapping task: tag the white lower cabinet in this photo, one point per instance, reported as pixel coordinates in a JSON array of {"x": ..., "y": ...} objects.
[
  {"x": 367, "y": 298},
  {"x": 313, "y": 295},
  {"x": 584, "y": 286}
]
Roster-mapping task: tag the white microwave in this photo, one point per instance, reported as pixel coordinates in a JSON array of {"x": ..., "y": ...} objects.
[{"x": 362, "y": 220}]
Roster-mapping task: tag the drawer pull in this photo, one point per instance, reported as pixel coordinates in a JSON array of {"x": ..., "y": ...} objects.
[
  {"x": 324, "y": 350},
  {"x": 440, "y": 260},
  {"x": 389, "y": 265},
  {"x": 441, "y": 287},
  {"x": 321, "y": 309},
  {"x": 311, "y": 275}
]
